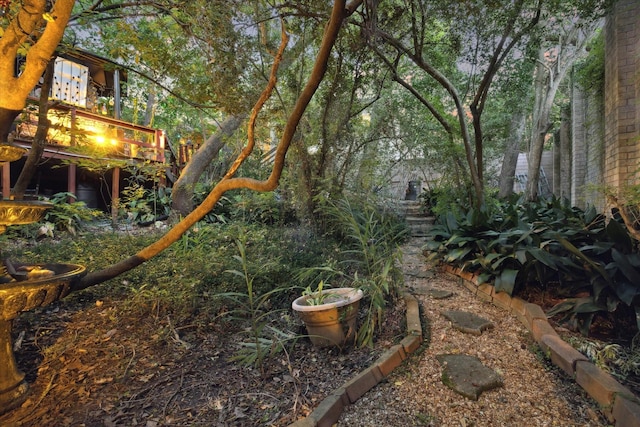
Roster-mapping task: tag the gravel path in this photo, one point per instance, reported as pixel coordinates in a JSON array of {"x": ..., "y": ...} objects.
[{"x": 534, "y": 392}]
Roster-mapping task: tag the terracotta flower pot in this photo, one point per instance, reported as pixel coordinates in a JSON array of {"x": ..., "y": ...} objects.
[{"x": 332, "y": 323}]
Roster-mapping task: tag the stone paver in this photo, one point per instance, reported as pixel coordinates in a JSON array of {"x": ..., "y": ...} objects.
[
  {"x": 439, "y": 293},
  {"x": 467, "y": 322},
  {"x": 467, "y": 376}
]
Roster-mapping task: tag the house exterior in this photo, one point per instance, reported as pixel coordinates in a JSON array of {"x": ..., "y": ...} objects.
[{"x": 84, "y": 113}]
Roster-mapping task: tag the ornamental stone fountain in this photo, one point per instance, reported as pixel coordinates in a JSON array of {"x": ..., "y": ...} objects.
[{"x": 24, "y": 287}]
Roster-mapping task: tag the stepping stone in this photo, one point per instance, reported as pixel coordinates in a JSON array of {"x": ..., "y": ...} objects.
[
  {"x": 467, "y": 376},
  {"x": 432, "y": 292},
  {"x": 439, "y": 293},
  {"x": 416, "y": 250},
  {"x": 420, "y": 274},
  {"x": 467, "y": 322}
]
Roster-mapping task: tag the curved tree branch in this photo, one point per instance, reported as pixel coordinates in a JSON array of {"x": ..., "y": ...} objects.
[
  {"x": 338, "y": 14},
  {"x": 266, "y": 94}
]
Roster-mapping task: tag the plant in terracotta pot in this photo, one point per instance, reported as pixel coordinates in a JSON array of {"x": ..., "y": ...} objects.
[{"x": 329, "y": 314}]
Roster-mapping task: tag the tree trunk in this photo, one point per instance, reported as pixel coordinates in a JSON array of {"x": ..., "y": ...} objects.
[
  {"x": 40, "y": 138},
  {"x": 182, "y": 192},
  {"x": 149, "y": 109},
  {"x": 27, "y": 28},
  {"x": 6, "y": 121},
  {"x": 512, "y": 150},
  {"x": 535, "y": 159},
  {"x": 565, "y": 154},
  {"x": 552, "y": 66}
]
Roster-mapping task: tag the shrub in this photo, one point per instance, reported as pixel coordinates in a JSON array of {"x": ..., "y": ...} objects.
[
  {"x": 543, "y": 244},
  {"x": 370, "y": 255},
  {"x": 142, "y": 205}
]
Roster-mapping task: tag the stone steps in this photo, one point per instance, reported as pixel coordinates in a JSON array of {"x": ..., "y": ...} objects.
[{"x": 413, "y": 213}]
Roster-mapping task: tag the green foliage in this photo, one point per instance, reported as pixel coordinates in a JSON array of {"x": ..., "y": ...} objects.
[
  {"x": 445, "y": 198},
  {"x": 139, "y": 204},
  {"x": 184, "y": 281},
  {"x": 589, "y": 72},
  {"x": 370, "y": 256},
  {"x": 264, "y": 339},
  {"x": 315, "y": 296},
  {"x": 546, "y": 244},
  {"x": 69, "y": 216},
  {"x": 619, "y": 361},
  {"x": 264, "y": 208}
]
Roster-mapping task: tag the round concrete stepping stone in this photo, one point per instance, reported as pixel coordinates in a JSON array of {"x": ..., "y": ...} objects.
[
  {"x": 467, "y": 376},
  {"x": 467, "y": 322}
]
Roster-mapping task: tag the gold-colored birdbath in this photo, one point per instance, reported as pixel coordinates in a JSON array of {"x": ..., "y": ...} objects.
[
  {"x": 42, "y": 285},
  {"x": 9, "y": 153},
  {"x": 18, "y": 212},
  {"x": 24, "y": 287}
]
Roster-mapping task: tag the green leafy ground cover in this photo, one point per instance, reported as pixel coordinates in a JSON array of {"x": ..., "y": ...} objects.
[{"x": 582, "y": 267}]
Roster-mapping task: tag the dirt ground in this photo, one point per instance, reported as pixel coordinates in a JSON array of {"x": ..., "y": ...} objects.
[{"x": 89, "y": 366}]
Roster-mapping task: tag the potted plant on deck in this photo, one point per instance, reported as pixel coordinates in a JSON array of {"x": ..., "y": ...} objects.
[{"x": 329, "y": 314}]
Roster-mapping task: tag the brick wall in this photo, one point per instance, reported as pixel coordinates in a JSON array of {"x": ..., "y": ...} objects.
[
  {"x": 578, "y": 144},
  {"x": 622, "y": 90}
]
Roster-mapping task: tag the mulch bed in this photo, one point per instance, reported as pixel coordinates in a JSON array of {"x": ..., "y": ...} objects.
[{"x": 93, "y": 365}]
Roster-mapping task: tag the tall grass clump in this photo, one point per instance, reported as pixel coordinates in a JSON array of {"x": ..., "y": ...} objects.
[
  {"x": 263, "y": 338},
  {"x": 370, "y": 237}
]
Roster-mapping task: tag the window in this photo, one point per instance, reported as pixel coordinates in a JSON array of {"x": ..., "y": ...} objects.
[{"x": 70, "y": 81}]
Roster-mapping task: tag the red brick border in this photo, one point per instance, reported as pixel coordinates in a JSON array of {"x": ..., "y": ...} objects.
[
  {"x": 329, "y": 410},
  {"x": 617, "y": 402}
]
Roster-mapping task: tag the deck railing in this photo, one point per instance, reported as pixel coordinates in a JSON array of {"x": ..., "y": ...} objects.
[{"x": 78, "y": 131}]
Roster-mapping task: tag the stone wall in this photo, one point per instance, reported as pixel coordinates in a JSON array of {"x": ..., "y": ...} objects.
[{"x": 605, "y": 133}]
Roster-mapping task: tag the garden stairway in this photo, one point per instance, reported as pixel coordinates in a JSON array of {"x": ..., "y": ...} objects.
[{"x": 419, "y": 223}]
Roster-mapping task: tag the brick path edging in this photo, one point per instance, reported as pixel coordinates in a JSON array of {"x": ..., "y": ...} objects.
[
  {"x": 327, "y": 413},
  {"x": 618, "y": 403}
]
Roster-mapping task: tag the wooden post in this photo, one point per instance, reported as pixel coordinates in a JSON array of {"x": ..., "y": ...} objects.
[{"x": 71, "y": 181}]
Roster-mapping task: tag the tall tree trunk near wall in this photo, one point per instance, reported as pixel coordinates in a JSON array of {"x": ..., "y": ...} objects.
[
  {"x": 182, "y": 193},
  {"x": 512, "y": 151},
  {"x": 540, "y": 125},
  {"x": 534, "y": 161},
  {"x": 40, "y": 138},
  {"x": 557, "y": 176}
]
